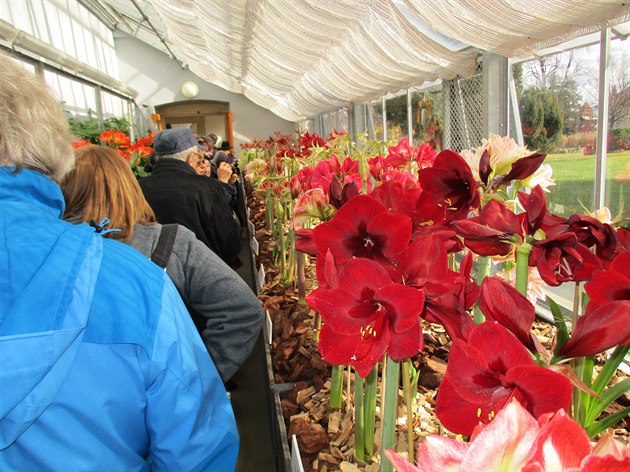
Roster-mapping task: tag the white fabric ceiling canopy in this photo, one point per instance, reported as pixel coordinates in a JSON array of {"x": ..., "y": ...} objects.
[{"x": 299, "y": 58}]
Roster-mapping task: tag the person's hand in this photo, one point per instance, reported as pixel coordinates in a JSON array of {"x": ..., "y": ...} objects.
[
  {"x": 233, "y": 178},
  {"x": 224, "y": 172}
]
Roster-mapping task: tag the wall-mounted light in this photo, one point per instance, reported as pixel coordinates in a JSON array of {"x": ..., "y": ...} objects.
[{"x": 190, "y": 89}]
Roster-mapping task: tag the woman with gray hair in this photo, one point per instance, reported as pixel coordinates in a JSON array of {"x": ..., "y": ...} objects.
[{"x": 102, "y": 368}]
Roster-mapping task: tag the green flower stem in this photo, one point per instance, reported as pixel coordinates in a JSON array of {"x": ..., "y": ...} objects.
[
  {"x": 390, "y": 407},
  {"x": 359, "y": 418},
  {"x": 370, "y": 410},
  {"x": 336, "y": 387},
  {"x": 301, "y": 277},
  {"x": 522, "y": 266},
  {"x": 409, "y": 397},
  {"x": 483, "y": 269}
]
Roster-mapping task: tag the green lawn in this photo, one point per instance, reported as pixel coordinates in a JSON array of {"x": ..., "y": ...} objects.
[{"x": 574, "y": 174}]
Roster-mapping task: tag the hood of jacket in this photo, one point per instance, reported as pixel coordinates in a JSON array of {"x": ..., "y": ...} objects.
[{"x": 48, "y": 270}]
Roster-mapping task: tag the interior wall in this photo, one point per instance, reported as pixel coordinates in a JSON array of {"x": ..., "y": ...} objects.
[{"x": 158, "y": 80}]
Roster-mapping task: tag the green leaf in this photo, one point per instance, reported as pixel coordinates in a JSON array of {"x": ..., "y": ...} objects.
[
  {"x": 607, "y": 422},
  {"x": 558, "y": 318},
  {"x": 610, "y": 367},
  {"x": 606, "y": 398}
]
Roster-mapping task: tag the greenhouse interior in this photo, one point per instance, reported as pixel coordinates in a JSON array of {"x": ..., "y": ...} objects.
[{"x": 401, "y": 231}]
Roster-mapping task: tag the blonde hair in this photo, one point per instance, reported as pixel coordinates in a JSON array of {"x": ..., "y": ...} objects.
[
  {"x": 102, "y": 185},
  {"x": 34, "y": 131}
]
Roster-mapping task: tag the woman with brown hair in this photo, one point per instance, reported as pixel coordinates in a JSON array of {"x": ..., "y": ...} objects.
[{"x": 226, "y": 312}]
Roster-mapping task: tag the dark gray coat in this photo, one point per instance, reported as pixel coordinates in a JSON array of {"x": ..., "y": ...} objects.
[{"x": 211, "y": 288}]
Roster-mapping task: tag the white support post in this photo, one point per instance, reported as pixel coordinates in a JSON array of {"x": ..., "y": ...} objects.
[
  {"x": 495, "y": 94},
  {"x": 602, "y": 121}
]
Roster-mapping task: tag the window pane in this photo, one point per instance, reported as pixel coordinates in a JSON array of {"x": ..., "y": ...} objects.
[
  {"x": 427, "y": 117},
  {"x": 396, "y": 110}
]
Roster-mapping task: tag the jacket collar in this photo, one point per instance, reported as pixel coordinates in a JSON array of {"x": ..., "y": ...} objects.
[
  {"x": 172, "y": 165},
  {"x": 32, "y": 188}
]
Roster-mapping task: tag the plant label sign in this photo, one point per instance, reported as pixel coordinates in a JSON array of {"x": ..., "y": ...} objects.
[
  {"x": 268, "y": 327},
  {"x": 254, "y": 244},
  {"x": 296, "y": 461},
  {"x": 252, "y": 228},
  {"x": 261, "y": 277}
]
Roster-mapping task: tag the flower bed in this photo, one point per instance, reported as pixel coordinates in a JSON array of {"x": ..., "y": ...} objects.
[{"x": 326, "y": 435}]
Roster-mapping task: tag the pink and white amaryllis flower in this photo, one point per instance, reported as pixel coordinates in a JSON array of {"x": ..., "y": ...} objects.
[
  {"x": 312, "y": 204},
  {"x": 367, "y": 315},
  {"x": 515, "y": 441}
]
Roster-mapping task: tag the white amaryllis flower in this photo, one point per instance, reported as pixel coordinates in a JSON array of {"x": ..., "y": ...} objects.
[
  {"x": 503, "y": 151},
  {"x": 602, "y": 215},
  {"x": 541, "y": 177},
  {"x": 472, "y": 159}
]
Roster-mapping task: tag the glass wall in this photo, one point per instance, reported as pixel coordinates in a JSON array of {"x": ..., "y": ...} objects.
[
  {"x": 558, "y": 97},
  {"x": 396, "y": 113},
  {"x": 427, "y": 117}
]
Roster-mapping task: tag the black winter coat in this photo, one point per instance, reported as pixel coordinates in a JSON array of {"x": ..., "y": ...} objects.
[{"x": 177, "y": 194}]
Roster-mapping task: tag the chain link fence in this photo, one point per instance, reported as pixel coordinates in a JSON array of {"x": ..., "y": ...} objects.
[{"x": 463, "y": 111}]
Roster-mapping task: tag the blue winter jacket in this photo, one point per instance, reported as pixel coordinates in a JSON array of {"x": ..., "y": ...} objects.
[{"x": 101, "y": 368}]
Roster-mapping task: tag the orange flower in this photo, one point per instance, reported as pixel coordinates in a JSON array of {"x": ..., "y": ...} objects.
[
  {"x": 80, "y": 143},
  {"x": 115, "y": 139}
]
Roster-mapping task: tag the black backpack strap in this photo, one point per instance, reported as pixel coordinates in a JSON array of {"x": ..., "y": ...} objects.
[{"x": 164, "y": 247}]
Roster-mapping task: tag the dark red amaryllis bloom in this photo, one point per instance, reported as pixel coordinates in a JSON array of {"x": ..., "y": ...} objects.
[
  {"x": 521, "y": 169},
  {"x": 593, "y": 233},
  {"x": 606, "y": 326},
  {"x": 366, "y": 316},
  {"x": 448, "y": 294},
  {"x": 495, "y": 232},
  {"x": 606, "y": 322},
  {"x": 610, "y": 285},
  {"x": 502, "y": 303},
  {"x": 486, "y": 372},
  {"x": 363, "y": 227},
  {"x": 307, "y": 141},
  {"x": 561, "y": 258},
  {"x": 449, "y": 190}
]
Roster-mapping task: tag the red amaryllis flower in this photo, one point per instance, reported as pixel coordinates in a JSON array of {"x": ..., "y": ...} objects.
[
  {"x": 425, "y": 265},
  {"x": 403, "y": 153},
  {"x": 449, "y": 189},
  {"x": 366, "y": 316},
  {"x": 495, "y": 232},
  {"x": 396, "y": 197},
  {"x": 363, "y": 227},
  {"x": 593, "y": 233},
  {"x": 606, "y": 326},
  {"x": 561, "y": 258},
  {"x": 304, "y": 241},
  {"x": 623, "y": 240},
  {"x": 502, "y": 303},
  {"x": 521, "y": 169},
  {"x": 489, "y": 369},
  {"x": 399, "y": 155},
  {"x": 449, "y": 238},
  {"x": 610, "y": 285}
]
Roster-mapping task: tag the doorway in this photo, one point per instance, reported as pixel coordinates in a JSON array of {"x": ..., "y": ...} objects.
[{"x": 201, "y": 116}]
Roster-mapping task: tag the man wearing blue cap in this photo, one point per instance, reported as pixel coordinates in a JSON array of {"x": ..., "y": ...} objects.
[{"x": 178, "y": 194}]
